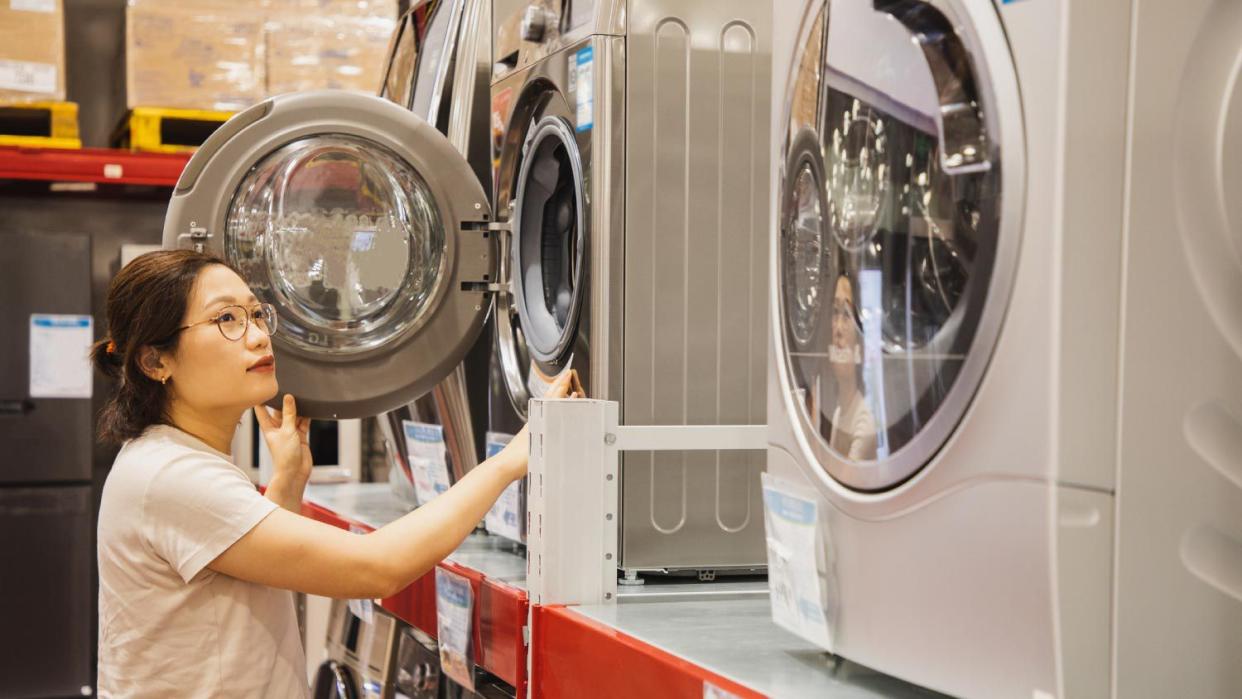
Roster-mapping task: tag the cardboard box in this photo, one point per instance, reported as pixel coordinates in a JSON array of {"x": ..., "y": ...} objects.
[
  {"x": 32, "y": 51},
  {"x": 194, "y": 55},
  {"x": 311, "y": 52}
]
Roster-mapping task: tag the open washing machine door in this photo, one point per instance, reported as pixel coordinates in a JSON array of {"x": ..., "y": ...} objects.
[
  {"x": 335, "y": 681},
  {"x": 366, "y": 230},
  {"x": 545, "y": 263},
  {"x": 897, "y": 251}
]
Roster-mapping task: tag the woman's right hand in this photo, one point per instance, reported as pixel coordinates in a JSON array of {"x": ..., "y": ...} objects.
[{"x": 516, "y": 454}]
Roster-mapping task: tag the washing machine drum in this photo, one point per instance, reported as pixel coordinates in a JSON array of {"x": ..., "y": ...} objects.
[
  {"x": 895, "y": 252},
  {"x": 549, "y": 247},
  {"x": 335, "y": 681}
]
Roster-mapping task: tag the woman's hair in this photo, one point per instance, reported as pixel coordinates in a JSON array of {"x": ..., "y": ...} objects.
[{"x": 146, "y": 302}]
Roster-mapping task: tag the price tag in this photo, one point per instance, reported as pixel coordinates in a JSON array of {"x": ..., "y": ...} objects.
[
  {"x": 428, "y": 459},
  {"x": 454, "y": 604},
  {"x": 505, "y": 517},
  {"x": 798, "y": 570}
]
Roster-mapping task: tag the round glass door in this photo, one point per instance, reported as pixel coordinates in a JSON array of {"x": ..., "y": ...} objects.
[
  {"x": 366, "y": 230},
  {"x": 895, "y": 251},
  {"x": 341, "y": 236}
]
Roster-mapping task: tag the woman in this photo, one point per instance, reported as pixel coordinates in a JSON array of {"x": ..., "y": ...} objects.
[
  {"x": 194, "y": 564},
  {"x": 852, "y": 433}
]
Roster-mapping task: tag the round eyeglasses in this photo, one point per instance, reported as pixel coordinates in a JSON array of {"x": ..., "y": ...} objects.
[{"x": 234, "y": 321}]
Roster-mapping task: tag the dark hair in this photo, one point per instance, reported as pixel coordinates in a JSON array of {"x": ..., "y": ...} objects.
[{"x": 146, "y": 303}]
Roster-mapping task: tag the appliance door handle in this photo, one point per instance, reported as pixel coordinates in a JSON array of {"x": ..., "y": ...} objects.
[
  {"x": 16, "y": 407},
  {"x": 964, "y": 142}
]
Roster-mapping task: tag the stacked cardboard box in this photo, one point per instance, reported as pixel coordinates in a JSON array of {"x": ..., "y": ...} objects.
[
  {"x": 229, "y": 54},
  {"x": 32, "y": 51}
]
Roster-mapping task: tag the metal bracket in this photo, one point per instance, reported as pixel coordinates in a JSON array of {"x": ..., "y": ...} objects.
[{"x": 195, "y": 240}]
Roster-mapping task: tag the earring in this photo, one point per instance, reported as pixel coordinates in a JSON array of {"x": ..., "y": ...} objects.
[{"x": 164, "y": 381}]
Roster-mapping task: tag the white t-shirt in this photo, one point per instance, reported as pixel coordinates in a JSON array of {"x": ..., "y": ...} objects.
[{"x": 168, "y": 625}]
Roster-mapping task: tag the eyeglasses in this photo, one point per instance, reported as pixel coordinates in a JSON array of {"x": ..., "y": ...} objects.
[{"x": 234, "y": 321}]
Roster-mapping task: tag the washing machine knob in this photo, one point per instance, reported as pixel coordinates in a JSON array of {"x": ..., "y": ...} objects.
[{"x": 534, "y": 23}]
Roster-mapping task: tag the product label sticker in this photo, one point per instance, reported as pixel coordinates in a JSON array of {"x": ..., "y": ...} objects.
[
  {"x": 504, "y": 519},
  {"x": 454, "y": 605},
  {"x": 583, "y": 63},
  {"x": 60, "y": 364},
  {"x": 33, "y": 5},
  {"x": 28, "y": 76},
  {"x": 428, "y": 459},
  {"x": 799, "y": 577}
]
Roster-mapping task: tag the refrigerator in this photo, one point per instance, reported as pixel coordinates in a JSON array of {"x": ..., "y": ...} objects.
[{"x": 47, "y": 527}]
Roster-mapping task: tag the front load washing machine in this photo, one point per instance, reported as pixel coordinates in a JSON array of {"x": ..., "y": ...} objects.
[
  {"x": 958, "y": 382},
  {"x": 362, "y": 656},
  {"x": 630, "y": 164}
]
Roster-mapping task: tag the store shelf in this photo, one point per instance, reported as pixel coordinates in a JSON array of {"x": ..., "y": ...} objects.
[{"x": 98, "y": 165}]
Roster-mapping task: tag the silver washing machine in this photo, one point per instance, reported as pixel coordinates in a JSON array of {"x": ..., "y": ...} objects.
[
  {"x": 1006, "y": 453},
  {"x": 630, "y": 160},
  {"x": 441, "y": 48},
  {"x": 362, "y": 656},
  {"x": 367, "y": 230}
]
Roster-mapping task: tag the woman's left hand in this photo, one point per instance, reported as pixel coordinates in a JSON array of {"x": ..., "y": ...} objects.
[{"x": 286, "y": 435}]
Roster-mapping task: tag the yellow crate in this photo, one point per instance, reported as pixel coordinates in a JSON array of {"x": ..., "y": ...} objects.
[
  {"x": 39, "y": 125},
  {"x": 159, "y": 130}
]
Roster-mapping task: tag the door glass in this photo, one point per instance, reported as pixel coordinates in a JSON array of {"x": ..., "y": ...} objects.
[
  {"x": 401, "y": 65},
  {"x": 433, "y": 25},
  {"x": 342, "y": 236},
  {"x": 885, "y": 258}
]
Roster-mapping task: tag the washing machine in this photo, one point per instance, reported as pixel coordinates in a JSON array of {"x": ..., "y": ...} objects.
[
  {"x": 361, "y": 654},
  {"x": 441, "y": 47},
  {"x": 629, "y": 180},
  {"x": 1004, "y": 454}
]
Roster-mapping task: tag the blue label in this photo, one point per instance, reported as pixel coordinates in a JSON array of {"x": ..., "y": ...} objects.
[
  {"x": 584, "y": 79},
  {"x": 424, "y": 433},
  {"x": 789, "y": 508},
  {"x": 61, "y": 321}
]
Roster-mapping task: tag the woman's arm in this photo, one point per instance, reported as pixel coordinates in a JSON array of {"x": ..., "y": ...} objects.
[{"x": 297, "y": 553}]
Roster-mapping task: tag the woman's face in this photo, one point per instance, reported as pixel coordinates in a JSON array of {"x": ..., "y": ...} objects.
[
  {"x": 843, "y": 353},
  {"x": 210, "y": 372}
]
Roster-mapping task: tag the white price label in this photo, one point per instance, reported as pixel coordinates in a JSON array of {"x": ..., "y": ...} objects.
[
  {"x": 798, "y": 572},
  {"x": 33, "y": 5},
  {"x": 428, "y": 459},
  {"x": 454, "y": 605},
  {"x": 505, "y": 517},
  {"x": 60, "y": 365}
]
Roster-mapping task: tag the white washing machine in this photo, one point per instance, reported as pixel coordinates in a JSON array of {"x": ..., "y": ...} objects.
[{"x": 1012, "y": 461}]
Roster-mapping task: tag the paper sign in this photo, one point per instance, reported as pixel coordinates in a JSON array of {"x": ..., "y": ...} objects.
[
  {"x": 504, "y": 519},
  {"x": 27, "y": 76},
  {"x": 428, "y": 459},
  {"x": 584, "y": 75},
  {"x": 711, "y": 691},
  {"x": 60, "y": 365},
  {"x": 798, "y": 579},
  {"x": 454, "y": 602}
]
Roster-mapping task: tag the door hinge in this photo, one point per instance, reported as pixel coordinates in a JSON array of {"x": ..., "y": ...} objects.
[{"x": 195, "y": 240}]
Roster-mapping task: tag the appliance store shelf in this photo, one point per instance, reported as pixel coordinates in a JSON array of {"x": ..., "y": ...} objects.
[{"x": 99, "y": 165}]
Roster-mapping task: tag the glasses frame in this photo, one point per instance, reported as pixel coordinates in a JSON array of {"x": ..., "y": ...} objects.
[{"x": 247, "y": 315}]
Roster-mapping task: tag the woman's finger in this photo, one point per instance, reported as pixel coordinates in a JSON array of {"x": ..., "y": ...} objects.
[
  {"x": 264, "y": 418},
  {"x": 290, "y": 417}
]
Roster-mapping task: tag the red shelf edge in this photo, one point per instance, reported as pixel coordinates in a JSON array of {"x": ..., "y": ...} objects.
[{"x": 99, "y": 165}]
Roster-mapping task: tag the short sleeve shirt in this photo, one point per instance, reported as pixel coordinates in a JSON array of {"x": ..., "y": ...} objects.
[{"x": 168, "y": 625}]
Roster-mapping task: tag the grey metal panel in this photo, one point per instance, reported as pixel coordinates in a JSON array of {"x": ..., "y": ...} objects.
[
  {"x": 45, "y": 439},
  {"x": 695, "y": 278}
]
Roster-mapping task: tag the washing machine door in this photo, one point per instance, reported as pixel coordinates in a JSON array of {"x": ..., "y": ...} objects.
[
  {"x": 899, "y": 214},
  {"x": 365, "y": 229},
  {"x": 545, "y": 263}
]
